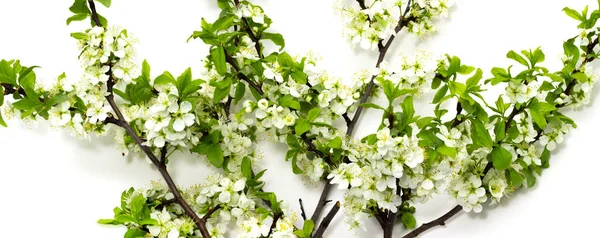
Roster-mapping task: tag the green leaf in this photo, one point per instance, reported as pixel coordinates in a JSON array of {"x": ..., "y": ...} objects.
[
  {"x": 371, "y": 105},
  {"x": 276, "y": 38},
  {"x": 223, "y": 23},
  {"x": 302, "y": 126},
  {"x": 299, "y": 76},
  {"x": 295, "y": 168},
  {"x": 515, "y": 56},
  {"x": 2, "y": 122},
  {"x": 165, "y": 78},
  {"x": 292, "y": 141},
  {"x": 247, "y": 168},
  {"x": 454, "y": 66},
  {"x": 530, "y": 177},
  {"x": 289, "y": 101},
  {"x": 474, "y": 80},
  {"x": 135, "y": 233},
  {"x": 106, "y": 3},
  {"x": 313, "y": 114},
  {"x": 220, "y": 94},
  {"x": 240, "y": 91},
  {"x": 501, "y": 158},
  {"x": 108, "y": 222},
  {"x": 80, "y": 7},
  {"x": 538, "y": 117},
  {"x": 500, "y": 130},
  {"x": 308, "y": 226},
  {"x": 409, "y": 221},
  {"x": 218, "y": 57},
  {"x": 78, "y": 35},
  {"x": 573, "y": 14},
  {"x": 215, "y": 155},
  {"x": 26, "y": 104},
  {"x": 481, "y": 136},
  {"x": 285, "y": 60},
  {"x": 136, "y": 206},
  {"x": 151, "y": 222},
  {"x": 440, "y": 94},
  {"x": 184, "y": 80},
  {"x": 77, "y": 17},
  {"x": 408, "y": 107},
  {"x": 56, "y": 100},
  {"x": 103, "y": 21},
  {"x": 447, "y": 151},
  {"x": 336, "y": 143},
  {"x": 543, "y": 107},
  {"x": 515, "y": 178}
]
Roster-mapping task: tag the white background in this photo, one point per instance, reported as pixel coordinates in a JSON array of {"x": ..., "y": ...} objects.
[{"x": 58, "y": 186}]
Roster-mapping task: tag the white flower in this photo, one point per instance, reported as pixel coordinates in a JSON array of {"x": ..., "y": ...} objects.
[
  {"x": 182, "y": 116},
  {"x": 60, "y": 115},
  {"x": 272, "y": 74},
  {"x": 427, "y": 184},
  {"x": 345, "y": 175},
  {"x": 451, "y": 137},
  {"x": 98, "y": 114}
]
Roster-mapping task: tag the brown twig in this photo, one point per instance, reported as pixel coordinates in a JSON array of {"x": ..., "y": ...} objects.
[
  {"x": 441, "y": 221},
  {"x": 274, "y": 224},
  {"x": 327, "y": 220},
  {"x": 302, "y": 212},
  {"x": 241, "y": 75},
  {"x": 210, "y": 212},
  {"x": 322, "y": 202}
]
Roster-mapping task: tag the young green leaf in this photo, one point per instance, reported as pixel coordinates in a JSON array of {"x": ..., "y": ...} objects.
[
  {"x": 106, "y": 3},
  {"x": 313, "y": 114},
  {"x": 215, "y": 155},
  {"x": 515, "y": 56},
  {"x": 409, "y": 221},
  {"x": 302, "y": 126},
  {"x": 218, "y": 57},
  {"x": 480, "y": 134},
  {"x": 336, "y": 143},
  {"x": 501, "y": 158},
  {"x": 276, "y": 38}
]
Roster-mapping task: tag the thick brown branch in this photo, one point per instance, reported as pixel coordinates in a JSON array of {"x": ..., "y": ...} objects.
[
  {"x": 9, "y": 89},
  {"x": 322, "y": 202},
  {"x": 327, "y": 220}
]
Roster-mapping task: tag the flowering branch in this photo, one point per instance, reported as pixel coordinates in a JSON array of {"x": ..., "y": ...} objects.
[
  {"x": 382, "y": 52},
  {"x": 158, "y": 163}
]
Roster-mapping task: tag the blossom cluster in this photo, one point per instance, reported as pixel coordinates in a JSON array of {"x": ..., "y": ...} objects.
[
  {"x": 366, "y": 25},
  {"x": 415, "y": 74},
  {"x": 369, "y": 22},
  {"x": 424, "y": 13},
  {"x": 372, "y": 176}
]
